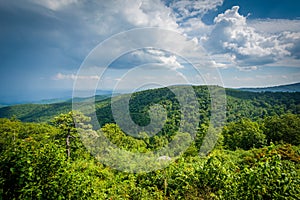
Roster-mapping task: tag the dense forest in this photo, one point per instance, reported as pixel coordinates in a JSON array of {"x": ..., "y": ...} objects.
[
  {"x": 239, "y": 104},
  {"x": 257, "y": 154}
]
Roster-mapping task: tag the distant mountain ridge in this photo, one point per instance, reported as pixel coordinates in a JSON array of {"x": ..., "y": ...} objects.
[
  {"x": 60, "y": 97},
  {"x": 295, "y": 87},
  {"x": 239, "y": 104},
  {"x": 100, "y": 94}
]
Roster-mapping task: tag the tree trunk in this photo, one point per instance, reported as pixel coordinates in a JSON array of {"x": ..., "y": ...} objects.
[{"x": 68, "y": 146}]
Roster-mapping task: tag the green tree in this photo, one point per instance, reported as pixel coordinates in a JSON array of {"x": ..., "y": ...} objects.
[
  {"x": 285, "y": 128},
  {"x": 119, "y": 138},
  {"x": 243, "y": 134},
  {"x": 69, "y": 124}
]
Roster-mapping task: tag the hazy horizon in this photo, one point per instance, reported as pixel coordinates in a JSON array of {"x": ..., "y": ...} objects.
[{"x": 21, "y": 98}]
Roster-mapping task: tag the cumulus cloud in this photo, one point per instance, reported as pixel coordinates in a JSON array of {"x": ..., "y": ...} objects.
[
  {"x": 147, "y": 13},
  {"x": 189, "y": 13},
  {"x": 275, "y": 26},
  {"x": 63, "y": 32},
  {"x": 189, "y": 8},
  {"x": 247, "y": 46},
  {"x": 172, "y": 62},
  {"x": 74, "y": 27},
  {"x": 292, "y": 42},
  {"x": 114, "y": 16},
  {"x": 144, "y": 56},
  {"x": 288, "y": 32}
]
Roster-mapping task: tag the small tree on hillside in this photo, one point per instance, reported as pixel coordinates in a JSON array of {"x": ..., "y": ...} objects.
[{"x": 68, "y": 124}]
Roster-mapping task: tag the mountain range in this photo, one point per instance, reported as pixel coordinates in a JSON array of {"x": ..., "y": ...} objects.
[
  {"x": 295, "y": 87},
  {"x": 240, "y": 104}
]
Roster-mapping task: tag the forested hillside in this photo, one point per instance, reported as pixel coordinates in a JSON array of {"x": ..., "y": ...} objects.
[
  {"x": 239, "y": 104},
  {"x": 257, "y": 154}
]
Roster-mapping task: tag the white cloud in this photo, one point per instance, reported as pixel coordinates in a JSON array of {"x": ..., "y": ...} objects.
[
  {"x": 292, "y": 42},
  {"x": 190, "y": 8},
  {"x": 239, "y": 41},
  {"x": 54, "y": 4},
  {"x": 194, "y": 27},
  {"x": 60, "y": 76},
  {"x": 189, "y": 13},
  {"x": 65, "y": 31},
  {"x": 247, "y": 46},
  {"x": 247, "y": 68},
  {"x": 147, "y": 13},
  {"x": 171, "y": 61},
  {"x": 78, "y": 26},
  {"x": 111, "y": 17},
  {"x": 275, "y": 25},
  {"x": 160, "y": 58}
]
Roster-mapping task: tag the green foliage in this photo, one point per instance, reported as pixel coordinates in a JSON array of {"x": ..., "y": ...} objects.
[
  {"x": 29, "y": 158},
  {"x": 34, "y": 164},
  {"x": 243, "y": 134},
  {"x": 119, "y": 138},
  {"x": 257, "y": 105},
  {"x": 270, "y": 177},
  {"x": 35, "y": 112},
  {"x": 71, "y": 121},
  {"x": 283, "y": 129},
  {"x": 28, "y": 168},
  {"x": 69, "y": 124}
]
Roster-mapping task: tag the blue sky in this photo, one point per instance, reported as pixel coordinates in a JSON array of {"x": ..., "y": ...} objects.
[{"x": 43, "y": 43}]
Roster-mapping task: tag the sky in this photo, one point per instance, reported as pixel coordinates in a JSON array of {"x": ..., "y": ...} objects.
[{"x": 48, "y": 45}]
